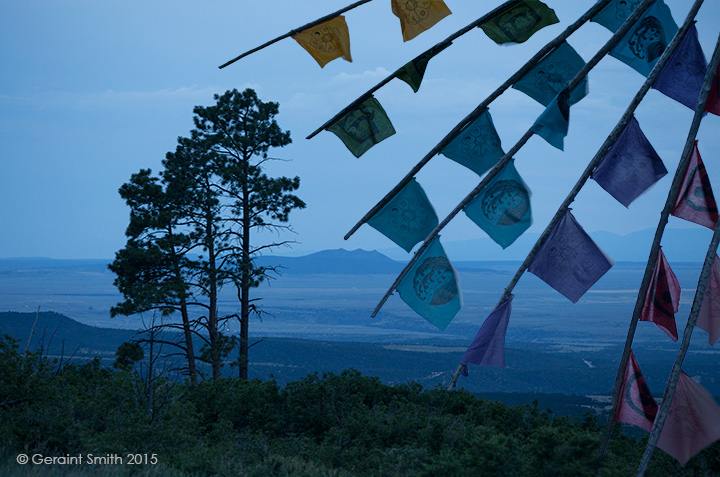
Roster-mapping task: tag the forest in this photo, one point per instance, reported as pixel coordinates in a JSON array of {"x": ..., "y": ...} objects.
[{"x": 330, "y": 424}]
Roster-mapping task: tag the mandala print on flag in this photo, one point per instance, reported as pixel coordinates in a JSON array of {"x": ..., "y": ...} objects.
[
  {"x": 506, "y": 203},
  {"x": 410, "y": 215},
  {"x": 434, "y": 281},
  {"x": 414, "y": 11},
  {"x": 614, "y": 15}
]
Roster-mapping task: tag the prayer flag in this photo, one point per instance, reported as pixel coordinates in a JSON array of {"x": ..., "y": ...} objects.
[
  {"x": 488, "y": 347},
  {"x": 682, "y": 76},
  {"x": 477, "y": 146},
  {"x": 408, "y": 218},
  {"x": 631, "y": 165},
  {"x": 637, "y": 405},
  {"x": 326, "y": 41},
  {"x": 695, "y": 201},
  {"x": 615, "y": 13},
  {"x": 413, "y": 71},
  {"x": 519, "y": 21},
  {"x": 431, "y": 286},
  {"x": 641, "y": 47},
  {"x": 709, "y": 316},
  {"x": 363, "y": 126},
  {"x": 692, "y": 423},
  {"x": 502, "y": 208},
  {"x": 416, "y": 16},
  {"x": 662, "y": 298},
  {"x": 713, "y": 101},
  {"x": 553, "y": 123},
  {"x": 550, "y": 76},
  {"x": 569, "y": 260}
]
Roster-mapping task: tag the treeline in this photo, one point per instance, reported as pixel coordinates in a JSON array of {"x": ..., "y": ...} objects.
[{"x": 345, "y": 424}]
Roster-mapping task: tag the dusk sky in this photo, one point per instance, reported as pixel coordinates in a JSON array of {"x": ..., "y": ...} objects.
[{"x": 93, "y": 91}]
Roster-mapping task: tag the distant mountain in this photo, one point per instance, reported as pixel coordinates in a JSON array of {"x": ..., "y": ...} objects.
[
  {"x": 679, "y": 245},
  {"x": 355, "y": 262}
]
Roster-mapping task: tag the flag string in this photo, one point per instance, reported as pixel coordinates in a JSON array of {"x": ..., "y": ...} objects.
[
  {"x": 480, "y": 109},
  {"x": 295, "y": 32},
  {"x": 439, "y": 46},
  {"x": 607, "y": 144},
  {"x": 614, "y": 40}
]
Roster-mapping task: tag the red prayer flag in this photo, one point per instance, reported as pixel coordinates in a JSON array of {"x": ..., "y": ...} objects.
[
  {"x": 662, "y": 298},
  {"x": 692, "y": 423},
  {"x": 695, "y": 201},
  {"x": 713, "y": 101},
  {"x": 637, "y": 404},
  {"x": 709, "y": 316}
]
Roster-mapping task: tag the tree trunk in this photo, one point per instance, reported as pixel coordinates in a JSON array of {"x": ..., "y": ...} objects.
[
  {"x": 213, "y": 332},
  {"x": 245, "y": 287}
]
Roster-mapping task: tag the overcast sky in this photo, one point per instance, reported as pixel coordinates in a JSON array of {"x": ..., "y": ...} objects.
[{"x": 92, "y": 91}]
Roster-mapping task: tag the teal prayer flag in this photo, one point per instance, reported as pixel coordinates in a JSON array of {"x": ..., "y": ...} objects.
[
  {"x": 646, "y": 41},
  {"x": 477, "y": 146},
  {"x": 502, "y": 208},
  {"x": 431, "y": 286},
  {"x": 550, "y": 76},
  {"x": 413, "y": 71},
  {"x": 553, "y": 123},
  {"x": 615, "y": 13},
  {"x": 408, "y": 218},
  {"x": 519, "y": 21},
  {"x": 363, "y": 126}
]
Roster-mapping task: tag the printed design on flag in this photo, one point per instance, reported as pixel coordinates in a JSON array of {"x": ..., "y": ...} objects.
[
  {"x": 434, "y": 281},
  {"x": 687, "y": 418},
  {"x": 410, "y": 215},
  {"x": 505, "y": 203},
  {"x": 663, "y": 301},
  {"x": 359, "y": 123},
  {"x": 624, "y": 8},
  {"x": 553, "y": 76},
  {"x": 518, "y": 22},
  {"x": 647, "y": 407},
  {"x": 563, "y": 257},
  {"x": 414, "y": 11},
  {"x": 703, "y": 192},
  {"x": 479, "y": 140},
  {"x": 648, "y": 41},
  {"x": 688, "y": 74},
  {"x": 563, "y": 102},
  {"x": 326, "y": 39}
]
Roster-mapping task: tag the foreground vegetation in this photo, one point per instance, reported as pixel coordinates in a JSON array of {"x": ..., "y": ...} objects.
[{"x": 338, "y": 425}]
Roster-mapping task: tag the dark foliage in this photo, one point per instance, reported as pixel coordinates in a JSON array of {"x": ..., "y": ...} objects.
[{"x": 345, "y": 424}]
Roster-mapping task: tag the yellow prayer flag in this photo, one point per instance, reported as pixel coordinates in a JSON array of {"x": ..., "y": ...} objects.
[
  {"x": 326, "y": 41},
  {"x": 416, "y": 16}
]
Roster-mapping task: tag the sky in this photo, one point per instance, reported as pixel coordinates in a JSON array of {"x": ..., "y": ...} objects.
[{"x": 92, "y": 91}]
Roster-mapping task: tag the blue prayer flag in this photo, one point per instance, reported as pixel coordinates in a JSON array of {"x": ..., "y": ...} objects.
[
  {"x": 477, "y": 146},
  {"x": 550, "y": 76},
  {"x": 615, "y": 13},
  {"x": 569, "y": 260},
  {"x": 682, "y": 76},
  {"x": 553, "y": 123},
  {"x": 502, "y": 208},
  {"x": 631, "y": 165},
  {"x": 408, "y": 218},
  {"x": 431, "y": 286},
  {"x": 641, "y": 47},
  {"x": 488, "y": 347}
]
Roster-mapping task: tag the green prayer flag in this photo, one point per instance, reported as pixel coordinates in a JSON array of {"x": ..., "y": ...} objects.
[
  {"x": 477, "y": 146},
  {"x": 363, "y": 126},
  {"x": 553, "y": 123},
  {"x": 431, "y": 286},
  {"x": 408, "y": 218},
  {"x": 413, "y": 71},
  {"x": 502, "y": 208},
  {"x": 519, "y": 21},
  {"x": 552, "y": 73}
]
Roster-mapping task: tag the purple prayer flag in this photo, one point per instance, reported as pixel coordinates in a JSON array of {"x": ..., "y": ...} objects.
[
  {"x": 682, "y": 77},
  {"x": 630, "y": 167},
  {"x": 488, "y": 347},
  {"x": 569, "y": 260}
]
